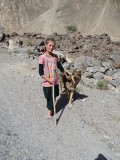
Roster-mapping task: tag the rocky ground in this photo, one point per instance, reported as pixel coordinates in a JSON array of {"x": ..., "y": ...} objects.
[{"x": 88, "y": 131}]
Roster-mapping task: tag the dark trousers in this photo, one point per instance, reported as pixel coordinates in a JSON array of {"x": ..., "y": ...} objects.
[
  {"x": 48, "y": 95},
  {"x": 50, "y": 104}
]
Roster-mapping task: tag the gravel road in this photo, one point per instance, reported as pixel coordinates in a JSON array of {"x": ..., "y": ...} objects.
[{"x": 90, "y": 130}]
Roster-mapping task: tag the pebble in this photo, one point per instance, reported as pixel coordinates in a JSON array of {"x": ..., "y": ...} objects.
[
  {"x": 106, "y": 137},
  {"x": 83, "y": 100},
  {"x": 33, "y": 67},
  {"x": 31, "y": 76}
]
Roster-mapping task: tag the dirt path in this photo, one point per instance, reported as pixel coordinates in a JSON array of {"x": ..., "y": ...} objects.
[{"x": 89, "y": 130}]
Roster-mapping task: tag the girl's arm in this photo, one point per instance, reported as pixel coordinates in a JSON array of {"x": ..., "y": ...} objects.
[
  {"x": 41, "y": 72},
  {"x": 59, "y": 65},
  {"x": 62, "y": 70},
  {"x": 50, "y": 80},
  {"x": 68, "y": 77}
]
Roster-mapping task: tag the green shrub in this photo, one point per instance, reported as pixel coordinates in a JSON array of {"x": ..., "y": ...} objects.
[
  {"x": 102, "y": 85},
  {"x": 71, "y": 29}
]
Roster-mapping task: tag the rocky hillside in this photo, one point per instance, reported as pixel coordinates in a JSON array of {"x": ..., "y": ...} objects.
[
  {"x": 15, "y": 14},
  {"x": 47, "y": 17}
]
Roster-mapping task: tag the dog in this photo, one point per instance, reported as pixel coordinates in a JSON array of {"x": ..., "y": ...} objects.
[{"x": 70, "y": 85}]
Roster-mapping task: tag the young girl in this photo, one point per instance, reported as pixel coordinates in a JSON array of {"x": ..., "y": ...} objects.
[{"x": 48, "y": 69}]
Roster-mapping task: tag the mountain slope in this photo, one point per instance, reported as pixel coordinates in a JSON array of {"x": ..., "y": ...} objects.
[
  {"x": 15, "y": 14},
  {"x": 90, "y": 17}
]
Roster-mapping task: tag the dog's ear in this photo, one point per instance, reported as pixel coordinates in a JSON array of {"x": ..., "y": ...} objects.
[
  {"x": 73, "y": 72},
  {"x": 81, "y": 72}
]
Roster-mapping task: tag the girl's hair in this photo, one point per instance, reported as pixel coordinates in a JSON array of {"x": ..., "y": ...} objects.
[
  {"x": 50, "y": 39},
  {"x": 47, "y": 41}
]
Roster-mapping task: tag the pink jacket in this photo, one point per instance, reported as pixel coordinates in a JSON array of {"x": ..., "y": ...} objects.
[{"x": 50, "y": 68}]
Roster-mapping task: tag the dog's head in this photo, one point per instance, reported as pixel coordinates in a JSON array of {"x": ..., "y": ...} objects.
[
  {"x": 77, "y": 73},
  {"x": 76, "y": 76}
]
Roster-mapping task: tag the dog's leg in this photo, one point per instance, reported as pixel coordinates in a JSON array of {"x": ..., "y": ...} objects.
[
  {"x": 71, "y": 95},
  {"x": 73, "y": 79},
  {"x": 67, "y": 92}
]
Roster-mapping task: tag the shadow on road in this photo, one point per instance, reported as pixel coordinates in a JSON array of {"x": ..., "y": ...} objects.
[{"x": 63, "y": 101}]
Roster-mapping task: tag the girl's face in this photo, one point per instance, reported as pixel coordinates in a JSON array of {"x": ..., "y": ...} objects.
[{"x": 50, "y": 46}]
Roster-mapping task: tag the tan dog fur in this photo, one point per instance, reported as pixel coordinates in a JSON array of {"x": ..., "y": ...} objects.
[{"x": 70, "y": 85}]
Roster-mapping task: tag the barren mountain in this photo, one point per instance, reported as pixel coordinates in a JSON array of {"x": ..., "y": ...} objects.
[
  {"x": 15, "y": 14},
  {"x": 89, "y": 16}
]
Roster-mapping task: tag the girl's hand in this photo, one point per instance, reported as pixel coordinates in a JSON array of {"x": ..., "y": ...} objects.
[
  {"x": 68, "y": 77},
  {"x": 52, "y": 81}
]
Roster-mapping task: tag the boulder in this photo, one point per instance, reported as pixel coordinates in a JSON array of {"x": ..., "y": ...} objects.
[
  {"x": 92, "y": 83},
  {"x": 14, "y": 34},
  {"x": 107, "y": 78},
  {"x": 18, "y": 41},
  {"x": 115, "y": 82},
  {"x": 12, "y": 45},
  {"x": 93, "y": 69},
  {"x": 102, "y": 70},
  {"x": 116, "y": 79},
  {"x": 88, "y": 75},
  {"x": 106, "y": 65},
  {"x": 110, "y": 72},
  {"x": 85, "y": 61},
  {"x": 98, "y": 75},
  {"x": 116, "y": 75},
  {"x": 115, "y": 59}
]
